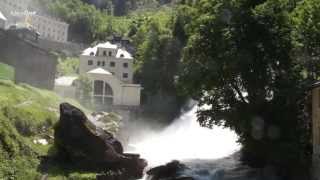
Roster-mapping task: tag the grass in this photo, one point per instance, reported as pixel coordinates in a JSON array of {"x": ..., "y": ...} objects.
[
  {"x": 6, "y": 72},
  {"x": 26, "y": 114}
]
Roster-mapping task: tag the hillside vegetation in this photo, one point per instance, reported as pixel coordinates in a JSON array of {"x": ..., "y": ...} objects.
[
  {"x": 28, "y": 114},
  {"x": 6, "y": 72}
]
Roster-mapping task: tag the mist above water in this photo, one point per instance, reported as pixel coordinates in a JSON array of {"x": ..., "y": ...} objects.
[{"x": 185, "y": 139}]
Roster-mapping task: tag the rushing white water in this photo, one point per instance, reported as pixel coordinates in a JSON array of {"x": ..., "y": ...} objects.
[{"x": 186, "y": 139}]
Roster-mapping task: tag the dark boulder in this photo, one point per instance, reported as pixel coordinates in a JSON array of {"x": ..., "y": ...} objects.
[
  {"x": 78, "y": 141},
  {"x": 170, "y": 171}
]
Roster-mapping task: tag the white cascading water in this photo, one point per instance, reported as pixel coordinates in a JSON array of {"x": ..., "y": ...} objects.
[{"x": 185, "y": 139}]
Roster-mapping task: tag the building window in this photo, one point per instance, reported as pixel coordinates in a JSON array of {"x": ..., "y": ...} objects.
[
  {"x": 99, "y": 63},
  {"x": 125, "y": 75},
  {"x": 125, "y": 65},
  {"x": 121, "y": 55},
  {"x": 98, "y": 87},
  {"x": 92, "y": 53},
  {"x": 108, "y": 90},
  {"x": 110, "y": 53},
  {"x": 104, "y": 53},
  {"x": 103, "y": 63},
  {"x": 112, "y": 64},
  {"x": 90, "y": 62}
]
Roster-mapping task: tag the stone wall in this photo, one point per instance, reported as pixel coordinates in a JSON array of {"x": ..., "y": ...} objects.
[
  {"x": 33, "y": 65},
  {"x": 68, "y": 48}
]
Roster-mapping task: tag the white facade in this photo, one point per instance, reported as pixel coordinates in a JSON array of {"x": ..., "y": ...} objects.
[
  {"x": 111, "y": 70},
  {"x": 49, "y": 28},
  {"x": 109, "y": 57},
  {"x": 109, "y": 90}
]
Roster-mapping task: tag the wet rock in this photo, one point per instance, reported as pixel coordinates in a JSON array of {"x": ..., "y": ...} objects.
[
  {"x": 79, "y": 141},
  {"x": 170, "y": 171}
]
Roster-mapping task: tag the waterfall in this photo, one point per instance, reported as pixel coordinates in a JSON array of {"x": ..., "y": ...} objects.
[{"x": 185, "y": 139}]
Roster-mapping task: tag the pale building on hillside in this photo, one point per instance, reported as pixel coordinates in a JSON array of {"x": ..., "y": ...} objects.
[
  {"x": 109, "y": 57},
  {"x": 49, "y": 28},
  {"x": 111, "y": 70},
  {"x": 25, "y": 12}
]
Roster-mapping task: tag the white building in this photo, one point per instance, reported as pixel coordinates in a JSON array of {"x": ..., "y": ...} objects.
[
  {"x": 18, "y": 12},
  {"x": 109, "y": 57},
  {"x": 3, "y": 21},
  {"x": 110, "y": 69},
  {"x": 49, "y": 28}
]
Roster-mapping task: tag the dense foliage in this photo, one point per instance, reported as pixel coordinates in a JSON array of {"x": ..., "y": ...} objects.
[
  {"x": 157, "y": 63},
  {"x": 243, "y": 60},
  {"x": 92, "y": 20},
  {"x": 123, "y": 7},
  {"x": 68, "y": 66}
]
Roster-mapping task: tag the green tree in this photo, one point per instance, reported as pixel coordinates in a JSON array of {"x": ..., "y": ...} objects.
[
  {"x": 239, "y": 61},
  {"x": 84, "y": 87},
  {"x": 68, "y": 66},
  {"x": 306, "y": 19},
  {"x": 158, "y": 60}
]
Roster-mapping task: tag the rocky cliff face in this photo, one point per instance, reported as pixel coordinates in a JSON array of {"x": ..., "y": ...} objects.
[{"x": 80, "y": 142}]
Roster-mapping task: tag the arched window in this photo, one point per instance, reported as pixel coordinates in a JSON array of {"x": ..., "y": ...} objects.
[
  {"x": 108, "y": 94},
  {"x": 108, "y": 90},
  {"x": 102, "y": 93},
  {"x": 98, "y": 87}
]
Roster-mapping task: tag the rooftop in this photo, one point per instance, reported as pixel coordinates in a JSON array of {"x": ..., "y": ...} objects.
[
  {"x": 99, "y": 71},
  {"x": 121, "y": 53},
  {"x": 107, "y": 45}
]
